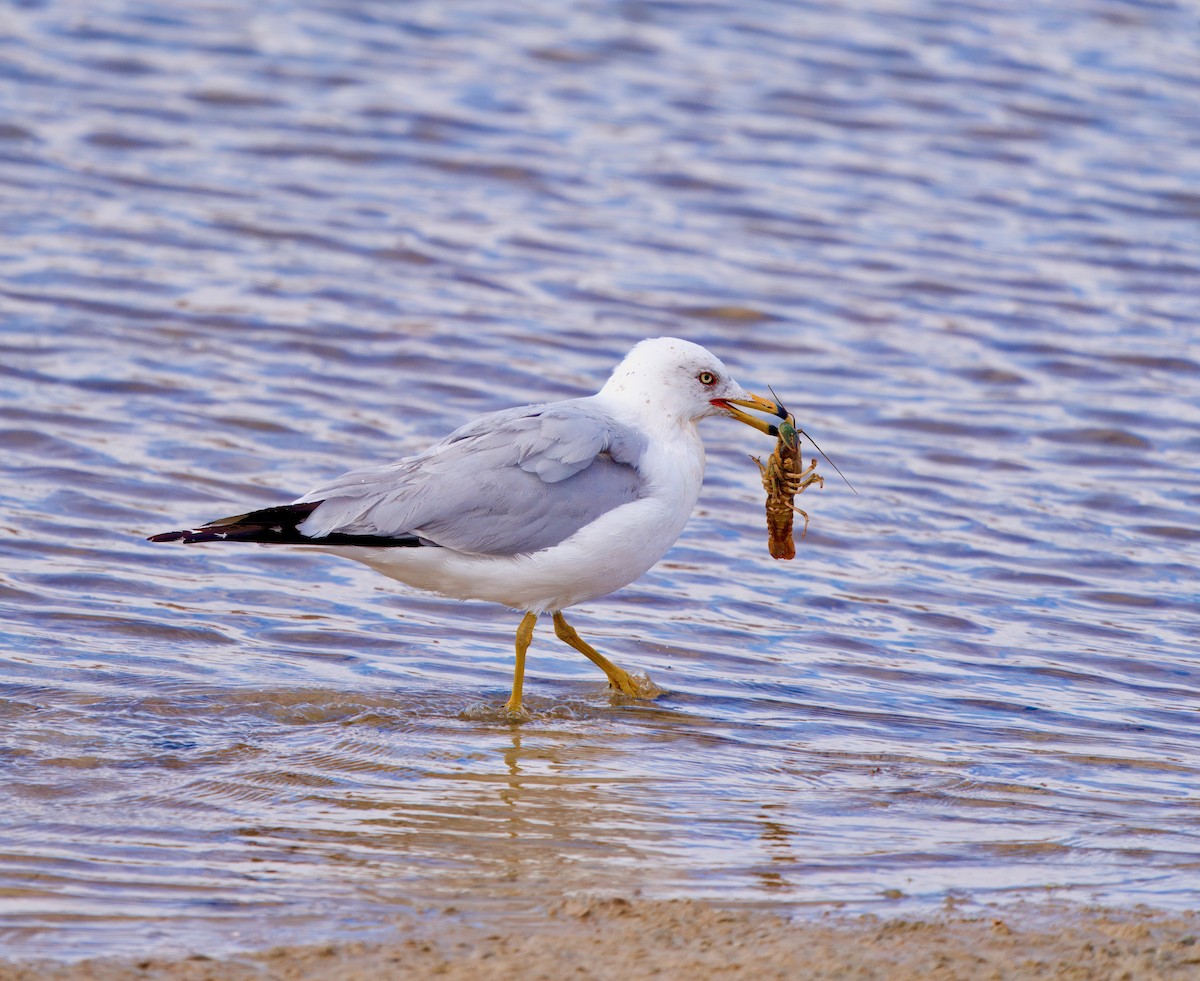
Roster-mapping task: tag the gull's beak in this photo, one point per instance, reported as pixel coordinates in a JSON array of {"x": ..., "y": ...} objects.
[{"x": 753, "y": 401}]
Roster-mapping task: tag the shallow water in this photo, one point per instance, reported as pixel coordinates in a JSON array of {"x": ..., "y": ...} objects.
[{"x": 245, "y": 252}]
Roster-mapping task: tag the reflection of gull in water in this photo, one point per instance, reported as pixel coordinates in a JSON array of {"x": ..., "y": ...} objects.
[{"x": 539, "y": 507}]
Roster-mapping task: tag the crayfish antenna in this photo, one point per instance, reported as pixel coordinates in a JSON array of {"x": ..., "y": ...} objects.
[{"x": 791, "y": 419}]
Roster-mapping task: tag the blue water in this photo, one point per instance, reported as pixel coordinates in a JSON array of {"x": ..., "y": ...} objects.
[{"x": 244, "y": 251}]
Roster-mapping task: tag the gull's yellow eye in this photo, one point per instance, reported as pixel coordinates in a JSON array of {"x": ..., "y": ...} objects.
[{"x": 707, "y": 378}]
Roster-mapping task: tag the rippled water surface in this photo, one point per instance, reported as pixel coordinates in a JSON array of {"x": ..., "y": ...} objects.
[{"x": 244, "y": 251}]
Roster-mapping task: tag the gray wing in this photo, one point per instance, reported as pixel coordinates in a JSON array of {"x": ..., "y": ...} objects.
[{"x": 510, "y": 482}]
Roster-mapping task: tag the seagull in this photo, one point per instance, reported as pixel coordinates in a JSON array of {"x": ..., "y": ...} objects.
[{"x": 539, "y": 507}]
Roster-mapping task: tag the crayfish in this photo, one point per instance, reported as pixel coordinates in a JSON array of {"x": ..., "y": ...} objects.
[{"x": 783, "y": 477}]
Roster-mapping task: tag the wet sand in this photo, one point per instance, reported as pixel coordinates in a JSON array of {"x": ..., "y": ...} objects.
[{"x": 617, "y": 938}]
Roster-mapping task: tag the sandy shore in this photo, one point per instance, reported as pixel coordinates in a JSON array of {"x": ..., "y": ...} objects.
[{"x": 618, "y": 939}]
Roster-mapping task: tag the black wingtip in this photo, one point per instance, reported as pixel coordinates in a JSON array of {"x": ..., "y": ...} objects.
[
  {"x": 279, "y": 526},
  {"x": 187, "y": 536},
  {"x": 273, "y": 525}
]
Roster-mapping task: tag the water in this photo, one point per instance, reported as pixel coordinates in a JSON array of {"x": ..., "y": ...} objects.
[{"x": 245, "y": 251}]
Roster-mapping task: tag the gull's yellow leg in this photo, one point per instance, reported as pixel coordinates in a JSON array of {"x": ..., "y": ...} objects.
[
  {"x": 617, "y": 677},
  {"x": 524, "y": 638}
]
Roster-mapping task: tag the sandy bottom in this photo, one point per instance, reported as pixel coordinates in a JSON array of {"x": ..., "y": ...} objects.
[{"x": 616, "y": 938}]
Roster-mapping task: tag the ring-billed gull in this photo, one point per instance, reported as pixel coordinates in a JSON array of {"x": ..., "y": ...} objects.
[{"x": 539, "y": 507}]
